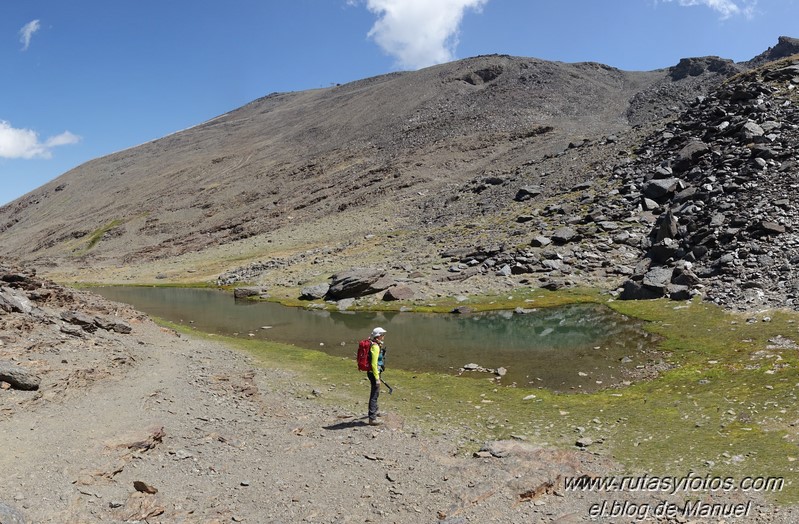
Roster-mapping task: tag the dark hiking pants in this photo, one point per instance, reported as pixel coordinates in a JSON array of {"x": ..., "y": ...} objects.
[{"x": 373, "y": 394}]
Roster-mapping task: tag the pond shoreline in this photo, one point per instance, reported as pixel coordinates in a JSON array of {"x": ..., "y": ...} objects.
[{"x": 533, "y": 347}]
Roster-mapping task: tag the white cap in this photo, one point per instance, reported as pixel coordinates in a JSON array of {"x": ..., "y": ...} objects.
[{"x": 376, "y": 332}]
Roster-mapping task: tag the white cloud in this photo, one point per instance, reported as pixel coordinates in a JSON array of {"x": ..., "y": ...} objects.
[
  {"x": 64, "y": 139},
  {"x": 726, "y": 8},
  {"x": 24, "y": 143},
  {"x": 419, "y": 33},
  {"x": 26, "y": 33}
]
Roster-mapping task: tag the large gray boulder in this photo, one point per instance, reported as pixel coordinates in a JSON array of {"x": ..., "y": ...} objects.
[
  {"x": 658, "y": 277},
  {"x": 111, "y": 324},
  {"x": 751, "y": 130},
  {"x": 13, "y": 301},
  {"x": 635, "y": 291},
  {"x": 565, "y": 235},
  {"x": 398, "y": 293},
  {"x": 358, "y": 283},
  {"x": 688, "y": 155},
  {"x": 540, "y": 241},
  {"x": 660, "y": 188},
  {"x": 19, "y": 378},
  {"x": 314, "y": 292},
  {"x": 527, "y": 192}
]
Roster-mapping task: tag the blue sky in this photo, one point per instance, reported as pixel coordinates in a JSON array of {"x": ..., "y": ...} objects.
[{"x": 86, "y": 78}]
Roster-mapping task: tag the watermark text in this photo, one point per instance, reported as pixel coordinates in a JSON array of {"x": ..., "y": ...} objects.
[{"x": 673, "y": 485}]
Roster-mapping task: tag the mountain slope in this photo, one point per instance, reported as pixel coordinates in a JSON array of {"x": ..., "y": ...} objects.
[
  {"x": 315, "y": 152},
  {"x": 388, "y": 171}
]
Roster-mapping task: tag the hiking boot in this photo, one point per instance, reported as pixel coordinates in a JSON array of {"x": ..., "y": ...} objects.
[{"x": 375, "y": 422}]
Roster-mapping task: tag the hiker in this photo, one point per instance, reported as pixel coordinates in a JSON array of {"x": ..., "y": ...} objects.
[{"x": 376, "y": 357}]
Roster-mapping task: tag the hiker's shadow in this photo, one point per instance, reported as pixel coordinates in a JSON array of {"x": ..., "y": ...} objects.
[{"x": 348, "y": 424}]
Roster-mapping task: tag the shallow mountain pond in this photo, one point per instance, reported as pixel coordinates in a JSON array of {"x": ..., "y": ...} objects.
[{"x": 578, "y": 347}]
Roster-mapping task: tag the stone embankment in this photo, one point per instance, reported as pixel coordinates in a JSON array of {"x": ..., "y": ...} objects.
[{"x": 38, "y": 313}]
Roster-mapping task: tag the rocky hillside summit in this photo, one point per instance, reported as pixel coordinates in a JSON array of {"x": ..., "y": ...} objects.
[
  {"x": 722, "y": 180},
  {"x": 484, "y": 173}
]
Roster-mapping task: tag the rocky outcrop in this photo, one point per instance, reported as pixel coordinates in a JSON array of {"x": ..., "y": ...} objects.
[
  {"x": 28, "y": 300},
  {"x": 690, "y": 78},
  {"x": 314, "y": 292},
  {"x": 18, "y": 377},
  {"x": 701, "y": 65},
  {"x": 399, "y": 292},
  {"x": 12, "y": 300},
  {"x": 358, "y": 283},
  {"x": 786, "y": 46},
  {"x": 723, "y": 177},
  {"x": 90, "y": 323},
  {"x": 248, "y": 292},
  {"x": 42, "y": 325}
]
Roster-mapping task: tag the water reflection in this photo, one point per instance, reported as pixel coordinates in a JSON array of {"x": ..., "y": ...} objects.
[{"x": 561, "y": 348}]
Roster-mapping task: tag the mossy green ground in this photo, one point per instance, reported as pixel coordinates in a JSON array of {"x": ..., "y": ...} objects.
[{"x": 727, "y": 407}]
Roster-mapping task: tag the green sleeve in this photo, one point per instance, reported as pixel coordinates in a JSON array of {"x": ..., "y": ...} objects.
[{"x": 374, "y": 354}]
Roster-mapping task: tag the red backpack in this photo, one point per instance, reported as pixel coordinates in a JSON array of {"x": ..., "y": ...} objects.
[{"x": 364, "y": 350}]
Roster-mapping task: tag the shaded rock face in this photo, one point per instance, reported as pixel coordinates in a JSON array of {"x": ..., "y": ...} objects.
[
  {"x": 314, "y": 292},
  {"x": 728, "y": 223},
  {"x": 398, "y": 293},
  {"x": 786, "y": 46},
  {"x": 482, "y": 76},
  {"x": 697, "y": 66},
  {"x": 357, "y": 283}
]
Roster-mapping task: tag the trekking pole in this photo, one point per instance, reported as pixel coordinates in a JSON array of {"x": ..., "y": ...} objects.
[{"x": 390, "y": 389}]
